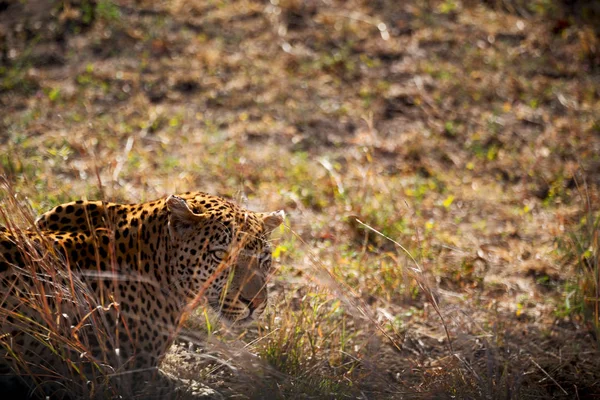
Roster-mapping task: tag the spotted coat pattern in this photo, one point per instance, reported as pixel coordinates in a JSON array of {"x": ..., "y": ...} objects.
[{"x": 151, "y": 263}]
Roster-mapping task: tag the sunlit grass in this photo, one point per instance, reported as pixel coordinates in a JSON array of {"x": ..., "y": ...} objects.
[{"x": 458, "y": 137}]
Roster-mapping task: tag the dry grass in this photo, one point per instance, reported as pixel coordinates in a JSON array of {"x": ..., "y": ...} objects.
[
  {"x": 57, "y": 311},
  {"x": 465, "y": 131}
]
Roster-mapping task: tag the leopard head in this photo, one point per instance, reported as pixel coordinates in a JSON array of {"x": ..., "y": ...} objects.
[{"x": 222, "y": 253}]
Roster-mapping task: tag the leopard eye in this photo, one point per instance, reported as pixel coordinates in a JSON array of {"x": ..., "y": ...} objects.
[{"x": 219, "y": 255}]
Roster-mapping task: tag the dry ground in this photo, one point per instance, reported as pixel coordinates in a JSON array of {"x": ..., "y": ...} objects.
[{"x": 468, "y": 132}]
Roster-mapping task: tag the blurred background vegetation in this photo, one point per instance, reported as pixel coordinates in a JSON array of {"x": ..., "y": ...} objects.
[{"x": 466, "y": 131}]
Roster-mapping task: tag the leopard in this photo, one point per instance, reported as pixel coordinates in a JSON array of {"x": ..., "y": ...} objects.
[{"x": 139, "y": 271}]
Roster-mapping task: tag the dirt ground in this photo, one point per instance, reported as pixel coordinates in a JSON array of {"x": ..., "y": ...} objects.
[{"x": 467, "y": 131}]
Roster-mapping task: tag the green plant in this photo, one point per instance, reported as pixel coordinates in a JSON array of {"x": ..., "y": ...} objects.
[
  {"x": 108, "y": 10},
  {"x": 311, "y": 347},
  {"x": 585, "y": 247},
  {"x": 581, "y": 248}
]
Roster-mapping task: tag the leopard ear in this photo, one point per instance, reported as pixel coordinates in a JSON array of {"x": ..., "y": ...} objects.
[
  {"x": 181, "y": 216},
  {"x": 272, "y": 220}
]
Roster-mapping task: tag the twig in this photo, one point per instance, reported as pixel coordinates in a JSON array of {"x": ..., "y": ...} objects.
[
  {"x": 346, "y": 293},
  {"x": 548, "y": 375},
  {"x": 419, "y": 280},
  {"x": 418, "y": 269},
  {"x": 123, "y": 158}
]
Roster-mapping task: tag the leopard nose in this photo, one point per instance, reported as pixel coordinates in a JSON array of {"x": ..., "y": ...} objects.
[{"x": 253, "y": 303}]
